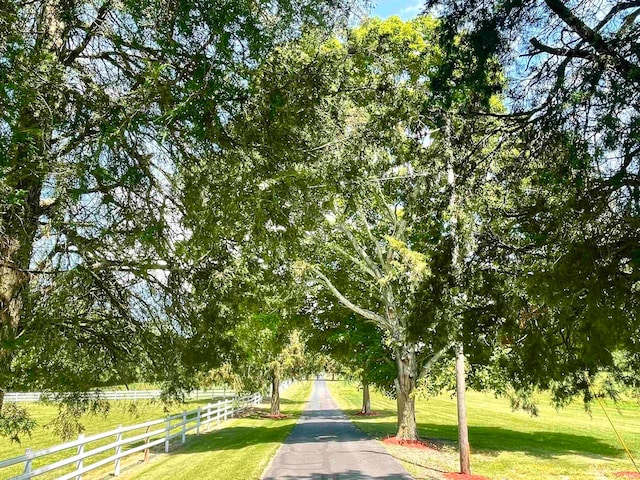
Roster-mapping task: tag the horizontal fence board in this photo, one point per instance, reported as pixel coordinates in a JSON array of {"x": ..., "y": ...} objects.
[
  {"x": 173, "y": 426},
  {"x": 18, "y": 397}
]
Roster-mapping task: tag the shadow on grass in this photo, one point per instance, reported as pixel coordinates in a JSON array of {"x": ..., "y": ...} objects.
[
  {"x": 493, "y": 440},
  {"x": 233, "y": 438},
  {"x": 268, "y": 430}
]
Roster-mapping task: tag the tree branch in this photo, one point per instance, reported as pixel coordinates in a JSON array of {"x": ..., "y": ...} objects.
[
  {"x": 360, "y": 250},
  {"x": 91, "y": 31},
  {"x": 355, "y": 260},
  {"x": 368, "y": 314},
  {"x": 593, "y": 38},
  {"x": 615, "y": 10},
  {"x": 563, "y": 52},
  {"x": 373, "y": 240},
  {"x": 433, "y": 360}
]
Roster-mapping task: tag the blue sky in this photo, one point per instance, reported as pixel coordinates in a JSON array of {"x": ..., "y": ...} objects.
[{"x": 405, "y": 9}]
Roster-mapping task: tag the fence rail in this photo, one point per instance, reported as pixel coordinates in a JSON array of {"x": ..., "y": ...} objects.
[
  {"x": 157, "y": 432},
  {"x": 21, "y": 397}
]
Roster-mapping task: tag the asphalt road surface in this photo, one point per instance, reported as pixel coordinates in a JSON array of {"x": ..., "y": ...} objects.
[{"x": 324, "y": 444}]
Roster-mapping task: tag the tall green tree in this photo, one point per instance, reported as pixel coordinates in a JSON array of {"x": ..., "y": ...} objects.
[
  {"x": 271, "y": 351},
  {"x": 362, "y": 256},
  {"x": 335, "y": 166},
  {"x": 102, "y": 103},
  {"x": 569, "y": 222},
  {"x": 355, "y": 345}
]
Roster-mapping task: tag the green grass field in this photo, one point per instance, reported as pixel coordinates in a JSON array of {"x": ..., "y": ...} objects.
[
  {"x": 565, "y": 444},
  {"x": 240, "y": 450},
  {"x": 121, "y": 413}
]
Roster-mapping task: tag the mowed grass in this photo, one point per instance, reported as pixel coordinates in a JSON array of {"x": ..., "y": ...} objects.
[
  {"x": 241, "y": 449},
  {"x": 121, "y": 413},
  {"x": 505, "y": 444}
]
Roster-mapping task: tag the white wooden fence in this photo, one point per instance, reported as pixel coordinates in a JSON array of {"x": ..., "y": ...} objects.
[
  {"x": 114, "y": 395},
  {"x": 126, "y": 441}
]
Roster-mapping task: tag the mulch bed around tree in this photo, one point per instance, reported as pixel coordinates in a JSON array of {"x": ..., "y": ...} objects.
[
  {"x": 627, "y": 474},
  {"x": 419, "y": 444},
  {"x": 463, "y": 476},
  {"x": 277, "y": 416},
  {"x": 370, "y": 414}
]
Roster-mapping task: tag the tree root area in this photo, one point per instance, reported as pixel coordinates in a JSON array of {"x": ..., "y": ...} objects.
[
  {"x": 418, "y": 444},
  {"x": 463, "y": 476},
  {"x": 368, "y": 414}
]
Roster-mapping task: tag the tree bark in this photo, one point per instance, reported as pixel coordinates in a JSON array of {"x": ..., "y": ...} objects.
[
  {"x": 366, "y": 399},
  {"x": 19, "y": 224},
  {"x": 463, "y": 435},
  {"x": 399, "y": 403},
  {"x": 405, "y": 386},
  {"x": 275, "y": 395}
]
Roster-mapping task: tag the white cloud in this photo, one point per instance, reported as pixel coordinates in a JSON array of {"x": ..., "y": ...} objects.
[{"x": 412, "y": 10}]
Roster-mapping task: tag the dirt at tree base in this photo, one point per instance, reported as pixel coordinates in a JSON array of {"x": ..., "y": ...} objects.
[
  {"x": 463, "y": 476},
  {"x": 418, "y": 444},
  {"x": 370, "y": 414},
  {"x": 627, "y": 474}
]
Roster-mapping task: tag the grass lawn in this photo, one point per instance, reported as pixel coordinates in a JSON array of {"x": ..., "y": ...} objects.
[
  {"x": 121, "y": 413},
  {"x": 565, "y": 444},
  {"x": 240, "y": 449}
]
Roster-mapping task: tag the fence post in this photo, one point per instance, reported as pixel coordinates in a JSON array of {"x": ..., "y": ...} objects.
[
  {"x": 167, "y": 434},
  {"x": 27, "y": 465},
  {"x": 146, "y": 441},
  {"x": 199, "y": 411},
  {"x": 116, "y": 470},
  {"x": 80, "y": 462},
  {"x": 218, "y": 413},
  {"x": 184, "y": 426}
]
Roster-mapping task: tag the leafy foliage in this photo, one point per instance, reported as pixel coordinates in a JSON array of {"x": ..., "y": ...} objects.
[
  {"x": 103, "y": 104},
  {"x": 15, "y": 422},
  {"x": 567, "y": 224}
]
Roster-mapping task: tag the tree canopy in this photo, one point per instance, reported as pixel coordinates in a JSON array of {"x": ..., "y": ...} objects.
[
  {"x": 103, "y": 103},
  {"x": 569, "y": 228},
  {"x": 186, "y": 186}
]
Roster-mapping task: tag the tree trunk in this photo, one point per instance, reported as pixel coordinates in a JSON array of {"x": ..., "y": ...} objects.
[
  {"x": 399, "y": 403},
  {"x": 275, "y": 395},
  {"x": 405, "y": 386},
  {"x": 366, "y": 399},
  {"x": 15, "y": 254},
  {"x": 463, "y": 435},
  {"x": 18, "y": 224},
  {"x": 1, "y": 400}
]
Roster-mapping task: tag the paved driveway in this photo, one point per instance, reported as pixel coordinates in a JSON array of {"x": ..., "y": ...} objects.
[{"x": 326, "y": 445}]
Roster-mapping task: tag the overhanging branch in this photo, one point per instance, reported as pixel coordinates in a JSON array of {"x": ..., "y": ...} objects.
[{"x": 368, "y": 314}]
